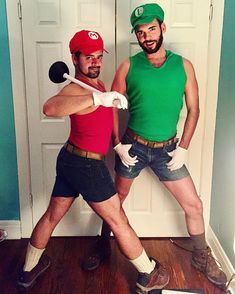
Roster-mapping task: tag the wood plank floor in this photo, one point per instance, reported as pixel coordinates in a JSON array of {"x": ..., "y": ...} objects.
[{"x": 117, "y": 276}]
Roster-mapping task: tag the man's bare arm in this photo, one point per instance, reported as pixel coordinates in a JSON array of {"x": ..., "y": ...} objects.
[
  {"x": 71, "y": 99},
  {"x": 192, "y": 104},
  {"x": 119, "y": 82},
  {"x": 119, "y": 85}
]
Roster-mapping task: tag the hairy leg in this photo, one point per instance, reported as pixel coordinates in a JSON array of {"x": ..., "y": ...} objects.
[
  {"x": 185, "y": 193},
  {"x": 123, "y": 186},
  {"x": 57, "y": 208},
  {"x": 113, "y": 214}
]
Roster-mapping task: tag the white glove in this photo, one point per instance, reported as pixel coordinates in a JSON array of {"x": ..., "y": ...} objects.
[
  {"x": 122, "y": 151},
  {"x": 179, "y": 156},
  {"x": 110, "y": 99}
]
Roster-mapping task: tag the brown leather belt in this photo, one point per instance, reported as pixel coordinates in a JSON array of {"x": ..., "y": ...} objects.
[
  {"x": 151, "y": 144},
  {"x": 79, "y": 152}
]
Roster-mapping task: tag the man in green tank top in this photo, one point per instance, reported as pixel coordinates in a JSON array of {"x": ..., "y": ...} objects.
[{"x": 155, "y": 81}]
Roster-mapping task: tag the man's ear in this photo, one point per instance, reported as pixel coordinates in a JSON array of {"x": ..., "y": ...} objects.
[
  {"x": 74, "y": 59},
  {"x": 163, "y": 27}
]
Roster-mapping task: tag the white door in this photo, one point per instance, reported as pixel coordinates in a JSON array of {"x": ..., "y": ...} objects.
[
  {"x": 48, "y": 25},
  {"x": 151, "y": 209},
  {"x": 47, "y": 29}
]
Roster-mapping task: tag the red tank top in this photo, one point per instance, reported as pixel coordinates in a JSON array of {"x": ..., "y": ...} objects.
[{"x": 92, "y": 131}]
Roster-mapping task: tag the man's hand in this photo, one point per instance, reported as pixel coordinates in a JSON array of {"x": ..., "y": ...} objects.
[
  {"x": 110, "y": 99},
  {"x": 179, "y": 156},
  {"x": 122, "y": 151}
]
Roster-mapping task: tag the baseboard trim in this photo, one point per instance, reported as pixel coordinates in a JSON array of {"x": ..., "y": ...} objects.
[
  {"x": 219, "y": 253},
  {"x": 12, "y": 228}
]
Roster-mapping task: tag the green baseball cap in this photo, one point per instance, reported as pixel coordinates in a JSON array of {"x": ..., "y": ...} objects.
[{"x": 145, "y": 14}]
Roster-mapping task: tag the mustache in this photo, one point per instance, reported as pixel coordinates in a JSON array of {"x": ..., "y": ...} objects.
[
  {"x": 94, "y": 67},
  {"x": 149, "y": 41}
]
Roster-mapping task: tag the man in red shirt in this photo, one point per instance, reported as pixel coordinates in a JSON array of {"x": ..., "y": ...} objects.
[{"x": 81, "y": 170}]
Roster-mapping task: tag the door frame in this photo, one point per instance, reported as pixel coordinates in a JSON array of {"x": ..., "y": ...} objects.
[
  {"x": 20, "y": 115},
  {"x": 20, "y": 111}
]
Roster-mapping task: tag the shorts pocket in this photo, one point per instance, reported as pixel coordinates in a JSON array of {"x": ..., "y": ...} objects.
[
  {"x": 127, "y": 140},
  {"x": 100, "y": 171},
  {"x": 170, "y": 148}
]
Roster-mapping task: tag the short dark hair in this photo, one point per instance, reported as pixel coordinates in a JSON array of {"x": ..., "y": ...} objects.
[{"x": 77, "y": 54}]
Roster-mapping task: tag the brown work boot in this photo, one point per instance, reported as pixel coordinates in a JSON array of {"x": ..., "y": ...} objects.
[
  {"x": 98, "y": 254},
  {"x": 206, "y": 263},
  {"x": 157, "y": 279}
]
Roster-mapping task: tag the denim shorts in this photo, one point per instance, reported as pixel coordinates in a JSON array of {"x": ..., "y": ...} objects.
[
  {"x": 155, "y": 158},
  {"x": 78, "y": 175}
]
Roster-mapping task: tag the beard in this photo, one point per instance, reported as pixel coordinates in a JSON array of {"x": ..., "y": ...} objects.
[
  {"x": 92, "y": 72},
  {"x": 158, "y": 44}
]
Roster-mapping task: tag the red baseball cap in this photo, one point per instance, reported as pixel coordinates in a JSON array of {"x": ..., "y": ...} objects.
[{"x": 86, "y": 42}]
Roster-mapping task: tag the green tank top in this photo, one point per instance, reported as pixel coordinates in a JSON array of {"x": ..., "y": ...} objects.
[{"x": 155, "y": 96}]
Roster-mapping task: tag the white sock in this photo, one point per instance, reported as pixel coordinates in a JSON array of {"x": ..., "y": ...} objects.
[
  {"x": 33, "y": 255},
  {"x": 143, "y": 264}
]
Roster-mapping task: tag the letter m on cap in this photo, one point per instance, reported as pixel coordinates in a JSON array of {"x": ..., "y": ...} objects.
[{"x": 93, "y": 35}]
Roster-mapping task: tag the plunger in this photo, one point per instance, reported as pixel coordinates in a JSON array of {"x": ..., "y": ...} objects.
[{"x": 59, "y": 73}]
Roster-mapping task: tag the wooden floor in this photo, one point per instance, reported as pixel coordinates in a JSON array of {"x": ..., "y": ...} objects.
[{"x": 117, "y": 276}]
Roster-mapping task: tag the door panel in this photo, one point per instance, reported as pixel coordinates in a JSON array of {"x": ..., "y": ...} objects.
[{"x": 47, "y": 29}]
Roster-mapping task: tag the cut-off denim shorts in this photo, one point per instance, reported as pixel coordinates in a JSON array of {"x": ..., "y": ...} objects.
[
  {"x": 78, "y": 175},
  {"x": 155, "y": 158}
]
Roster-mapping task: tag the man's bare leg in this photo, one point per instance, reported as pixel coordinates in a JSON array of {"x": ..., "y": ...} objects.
[
  {"x": 57, "y": 208},
  {"x": 112, "y": 212},
  {"x": 185, "y": 193},
  {"x": 101, "y": 250},
  {"x": 152, "y": 275}
]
